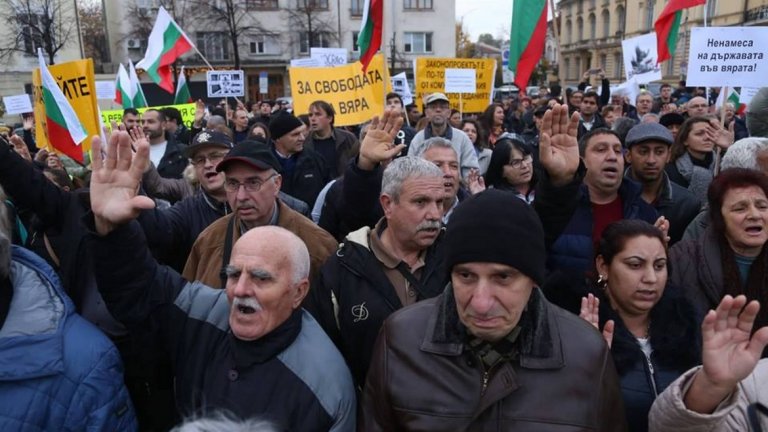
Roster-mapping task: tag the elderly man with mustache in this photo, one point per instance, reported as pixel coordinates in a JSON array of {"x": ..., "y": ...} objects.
[
  {"x": 398, "y": 262},
  {"x": 249, "y": 349}
]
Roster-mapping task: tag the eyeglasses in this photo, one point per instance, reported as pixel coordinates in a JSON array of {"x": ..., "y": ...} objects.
[
  {"x": 214, "y": 157},
  {"x": 517, "y": 163},
  {"x": 252, "y": 184}
]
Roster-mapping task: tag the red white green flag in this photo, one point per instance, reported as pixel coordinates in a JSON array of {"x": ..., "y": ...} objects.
[
  {"x": 166, "y": 43},
  {"x": 122, "y": 85},
  {"x": 65, "y": 132},
  {"x": 369, "y": 38},
  {"x": 733, "y": 98},
  {"x": 527, "y": 38},
  {"x": 182, "y": 90},
  {"x": 667, "y": 26},
  {"x": 136, "y": 92}
]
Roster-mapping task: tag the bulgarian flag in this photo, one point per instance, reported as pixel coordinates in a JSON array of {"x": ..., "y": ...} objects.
[
  {"x": 667, "y": 26},
  {"x": 122, "y": 86},
  {"x": 526, "y": 38},
  {"x": 182, "y": 90},
  {"x": 369, "y": 39},
  {"x": 167, "y": 42},
  {"x": 64, "y": 130},
  {"x": 733, "y": 98},
  {"x": 137, "y": 94}
]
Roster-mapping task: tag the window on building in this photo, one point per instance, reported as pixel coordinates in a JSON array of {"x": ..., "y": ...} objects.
[
  {"x": 567, "y": 68},
  {"x": 592, "y": 27},
  {"x": 592, "y": 3},
  {"x": 649, "y": 14},
  {"x": 578, "y": 67},
  {"x": 617, "y": 63},
  {"x": 621, "y": 18},
  {"x": 213, "y": 45},
  {"x": 264, "y": 45},
  {"x": 355, "y": 47},
  {"x": 313, "y": 4},
  {"x": 356, "y": 7},
  {"x": 568, "y": 32},
  {"x": 261, "y": 4},
  {"x": 580, "y": 5},
  {"x": 579, "y": 29},
  {"x": 417, "y": 42},
  {"x": 32, "y": 38},
  {"x": 417, "y": 4},
  {"x": 319, "y": 40},
  {"x": 606, "y": 18},
  {"x": 603, "y": 62}
]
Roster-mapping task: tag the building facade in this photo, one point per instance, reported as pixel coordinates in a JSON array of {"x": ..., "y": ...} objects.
[
  {"x": 280, "y": 30},
  {"x": 592, "y": 31}
]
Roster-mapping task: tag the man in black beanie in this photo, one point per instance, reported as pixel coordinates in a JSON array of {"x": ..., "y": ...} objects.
[
  {"x": 491, "y": 352},
  {"x": 304, "y": 171}
]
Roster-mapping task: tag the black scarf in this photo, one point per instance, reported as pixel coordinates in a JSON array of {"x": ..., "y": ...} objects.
[{"x": 6, "y": 294}]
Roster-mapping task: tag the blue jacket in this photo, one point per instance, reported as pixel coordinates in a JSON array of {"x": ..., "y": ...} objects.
[
  {"x": 566, "y": 214},
  {"x": 57, "y": 371}
]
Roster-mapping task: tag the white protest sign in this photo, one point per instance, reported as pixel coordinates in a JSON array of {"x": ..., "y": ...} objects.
[
  {"x": 400, "y": 86},
  {"x": 329, "y": 56},
  {"x": 460, "y": 81},
  {"x": 728, "y": 56},
  {"x": 18, "y": 104},
  {"x": 263, "y": 83},
  {"x": 747, "y": 93},
  {"x": 640, "y": 55},
  {"x": 630, "y": 89},
  {"x": 225, "y": 83},
  {"x": 305, "y": 62},
  {"x": 105, "y": 90}
]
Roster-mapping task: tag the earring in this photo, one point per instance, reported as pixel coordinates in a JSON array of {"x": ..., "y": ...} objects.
[{"x": 602, "y": 280}]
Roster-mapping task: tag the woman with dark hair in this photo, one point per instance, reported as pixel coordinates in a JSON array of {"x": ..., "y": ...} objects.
[
  {"x": 476, "y": 134},
  {"x": 259, "y": 129},
  {"x": 692, "y": 162},
  {"x": 511, "y": 167},
  {"x": 652, "y": 329},
  {"x": 492, "y": 120},
  {"x": 455, "y": 118},
  {"x": 730, "y": 257}
]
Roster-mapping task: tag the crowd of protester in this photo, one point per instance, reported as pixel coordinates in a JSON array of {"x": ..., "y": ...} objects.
[{"x": 565, "y": 259}]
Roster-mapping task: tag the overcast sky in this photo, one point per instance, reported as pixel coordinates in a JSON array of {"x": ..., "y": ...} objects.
[{"x": 486, "y": 16}]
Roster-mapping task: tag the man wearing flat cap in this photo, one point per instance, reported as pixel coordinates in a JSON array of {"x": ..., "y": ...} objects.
[
  {"x": 649, "y": 150},
  {"x": 304, "y": 171},
  {"x": 252, "y": 182},
  {"x": 491, "y": 353}
]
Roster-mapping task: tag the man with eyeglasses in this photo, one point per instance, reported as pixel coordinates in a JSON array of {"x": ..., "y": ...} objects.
[
  {"x": 251, "y": 182},
  {"x": 438, "y": 109},
  {"x": 697, "y": 107}
]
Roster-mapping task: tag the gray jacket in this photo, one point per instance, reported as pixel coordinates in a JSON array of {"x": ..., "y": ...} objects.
[
  {"x": 670, "y": 414},
  {"x": 461, "y": 143},
  {"x": 697, "y": 268}
]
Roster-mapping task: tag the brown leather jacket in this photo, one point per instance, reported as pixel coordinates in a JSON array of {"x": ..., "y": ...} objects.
[
  {"x": 422, "y": 378},
  {"x": 205, "y": 260}
]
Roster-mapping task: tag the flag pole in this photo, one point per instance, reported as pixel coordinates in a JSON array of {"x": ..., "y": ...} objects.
[{"x": 724, "y": 92}]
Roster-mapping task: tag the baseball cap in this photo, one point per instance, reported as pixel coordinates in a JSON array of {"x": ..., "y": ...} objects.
[
  {"x": 208, "y": 137},
  {"x": 254, "y": 153},
  {"x": 648, "y": 132},
  {"x": 434, "y": 97}
]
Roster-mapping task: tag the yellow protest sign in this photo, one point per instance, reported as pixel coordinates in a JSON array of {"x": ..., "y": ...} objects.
[
  {"x": 430, "y": 78},
  {"x": 355, "y": 96},
  {"x": 187, "y": 113},
  {"x": 76, "y": 81}
]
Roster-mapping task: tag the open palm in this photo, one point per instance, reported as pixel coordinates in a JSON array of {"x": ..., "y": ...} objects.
[
  {"x": 377, "y": 146},
  {"x": 558, "y": 145},
  {"x": 115, "y": 181}
]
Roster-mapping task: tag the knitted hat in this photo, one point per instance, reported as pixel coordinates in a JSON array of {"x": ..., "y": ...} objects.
[
  {"x": 496, "y": 226},
  {"x": 283, "y": 123}
]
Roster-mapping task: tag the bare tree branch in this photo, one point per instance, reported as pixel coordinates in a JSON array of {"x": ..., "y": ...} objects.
[{"x": 32, "y": 24}]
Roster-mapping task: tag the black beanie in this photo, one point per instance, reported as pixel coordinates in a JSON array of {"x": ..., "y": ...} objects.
[
  {"x": 283, "y": 123},
  {"x": 498, "y": 227}
]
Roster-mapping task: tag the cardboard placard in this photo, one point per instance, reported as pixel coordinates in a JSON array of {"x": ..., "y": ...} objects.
[
  {"x": 728, "y": 56},
  {"x": 225, "y": 83},
  {"x": 18, "y": 104},
  {"x": 640, "y": 57},
  {"x": 430, "y": 78}
]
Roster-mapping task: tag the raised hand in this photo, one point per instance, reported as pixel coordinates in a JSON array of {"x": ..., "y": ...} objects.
[
  {"x": 29, "y": 123},
  {"x": 558, "y": 146},
  {"x": 728, "y": 353},
  {"x": 199, "y": 113},
  {"x": 378, "y": 145},
  {"x": 115, "y": 182},
  {"x": 663, "y": 224},
  {"x": 722, "y": 137},
  {"x": 475, "y": 182},
  {"x": 590, "y": 312}
]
